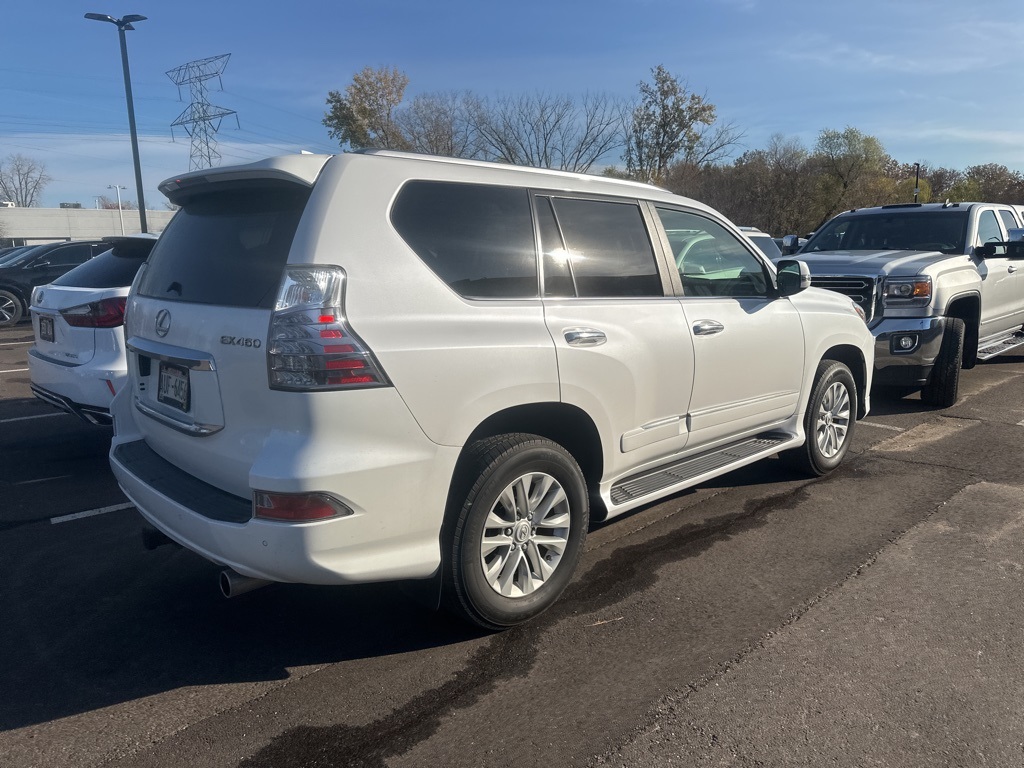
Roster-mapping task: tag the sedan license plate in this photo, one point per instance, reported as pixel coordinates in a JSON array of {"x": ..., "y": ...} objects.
[
  {"x": 173, "y": 388},
  {"x": 45, "y": 328}
]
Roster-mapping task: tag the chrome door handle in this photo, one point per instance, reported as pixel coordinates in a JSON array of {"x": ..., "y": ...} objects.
[
  {"x": 584, "y": 337},
  {"x": 707, "y": 327},
  {"x": 1011, "y": 269}
]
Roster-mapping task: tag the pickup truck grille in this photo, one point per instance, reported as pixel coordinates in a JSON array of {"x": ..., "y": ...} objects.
[{"x": 863, "y": 290}]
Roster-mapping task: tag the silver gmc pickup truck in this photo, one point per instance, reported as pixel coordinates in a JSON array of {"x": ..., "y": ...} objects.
[{"x": 941, "y": 284}]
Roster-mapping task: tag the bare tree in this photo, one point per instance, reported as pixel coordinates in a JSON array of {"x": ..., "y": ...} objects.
[
  {"x": 439, "y": 124},
  {"x": 109, "y": 204},
  {"x": 22, "y": 180},
  {"x": 548, "y": 131},
  {"x": 365, "y": 115}
]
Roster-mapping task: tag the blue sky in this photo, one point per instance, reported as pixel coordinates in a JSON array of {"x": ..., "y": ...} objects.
[{"x": 936, "y": 81}]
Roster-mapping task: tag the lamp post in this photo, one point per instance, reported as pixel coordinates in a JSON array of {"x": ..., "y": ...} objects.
[
  {"x": 122, "y": 25},
  {"x": 117, "y": 188},
  {"x": 917, "y": 180}
]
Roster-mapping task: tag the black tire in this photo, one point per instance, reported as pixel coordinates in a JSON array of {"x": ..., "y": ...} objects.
[
  {"x": 11, "y": 310},
  {"x": 828, "y": 422},
  {"x": 508, "y": 478},
  {"x": 943, "y": 388}
]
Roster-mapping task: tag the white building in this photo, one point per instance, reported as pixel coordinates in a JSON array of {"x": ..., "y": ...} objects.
[{"x": 30, "y": 226}]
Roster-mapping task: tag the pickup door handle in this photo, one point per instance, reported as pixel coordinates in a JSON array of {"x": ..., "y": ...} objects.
[
  {"x": 1011, "y": 269},
  {"x": 707, "y": 327},
  {"x": 584, "y": 337}
]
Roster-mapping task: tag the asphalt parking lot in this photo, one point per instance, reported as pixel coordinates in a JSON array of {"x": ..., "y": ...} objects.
[{"x": 868, "y": 618}]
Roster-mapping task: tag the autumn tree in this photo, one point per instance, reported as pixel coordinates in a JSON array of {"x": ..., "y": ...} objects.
[
  {"x": 22, "y": 180},
  {"x": 669, "y": 124},
  {"x": 851, "y": 167},
  {"x": 365, "y": 116}
]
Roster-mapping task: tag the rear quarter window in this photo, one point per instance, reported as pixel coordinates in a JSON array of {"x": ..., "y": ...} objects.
[
  {"x": 227, "y": 248},
  {"x": 477, "y": 238}
]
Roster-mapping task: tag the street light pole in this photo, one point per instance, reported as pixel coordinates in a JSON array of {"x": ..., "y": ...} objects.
[
  {"x": 917, "y": 180},
  {"x": 124, "y": 24},
  {"x": 118, "y": 188}
]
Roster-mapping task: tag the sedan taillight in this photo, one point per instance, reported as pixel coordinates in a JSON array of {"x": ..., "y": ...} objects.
[{"x": 108, "y": 313}]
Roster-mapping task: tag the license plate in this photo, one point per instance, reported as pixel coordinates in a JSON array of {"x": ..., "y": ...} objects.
[
  {"x": 45, "y": 328},
  {"x": 173, "y": 388}
]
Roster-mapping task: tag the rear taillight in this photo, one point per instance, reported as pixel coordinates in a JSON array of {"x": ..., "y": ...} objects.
[
  {"x": 108, "y": 313},
  {"x": 297, "y": 507},
  {"x": 311, "y": 346}
]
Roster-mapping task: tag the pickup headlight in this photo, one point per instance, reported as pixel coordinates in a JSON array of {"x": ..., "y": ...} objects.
[{"x": 907, "y": 291}]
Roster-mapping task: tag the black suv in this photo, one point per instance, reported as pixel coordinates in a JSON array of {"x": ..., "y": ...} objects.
[{"x": 39, "y": 265}]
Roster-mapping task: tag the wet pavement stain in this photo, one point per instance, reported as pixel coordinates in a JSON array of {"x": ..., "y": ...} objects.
[{"x": 511, "y": 654}]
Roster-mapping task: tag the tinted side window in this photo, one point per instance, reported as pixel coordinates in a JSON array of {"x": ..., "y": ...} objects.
[
  {"x": 608, "y": 248},
  {"x": 988, "y": 228},
  {"x": 68, "y": 254},
  {"x": 227, "y": 248},
  {"x": 477, "y": 238},
  {"x": 710, "y": 259},
  {"x": 1008, "y": 221}
]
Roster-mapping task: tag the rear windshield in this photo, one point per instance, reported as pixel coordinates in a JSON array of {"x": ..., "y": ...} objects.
[
  {"x": 115, "y": 268},
  {"x": 944, "y": 231},
  {"x": 227, "y": 248}
]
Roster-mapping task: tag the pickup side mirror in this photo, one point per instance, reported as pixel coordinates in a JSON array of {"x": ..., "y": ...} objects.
[
  {"x": 1015, "y": 235},
  {"x": 790, "y": 244},
  {"x": 793, "y": 276},
  {"x": 1014, "y": 249}
]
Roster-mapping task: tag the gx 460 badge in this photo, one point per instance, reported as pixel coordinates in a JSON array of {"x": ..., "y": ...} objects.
[{"x": 238, "y": 341}]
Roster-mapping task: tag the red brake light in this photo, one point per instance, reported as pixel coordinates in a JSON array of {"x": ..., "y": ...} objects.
[{"x": 108, "y": 313}]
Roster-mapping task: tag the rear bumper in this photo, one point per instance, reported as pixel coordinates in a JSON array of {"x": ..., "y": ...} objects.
[
  {"x": 92, "y": 414},
  {"x": 83, "y": 390},
  {"x": 393, "y": 533},
  {"x": 913, "y": 367}
]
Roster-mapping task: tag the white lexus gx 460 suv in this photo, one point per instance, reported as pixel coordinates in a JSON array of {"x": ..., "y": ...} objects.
[{"x": 384, "y": 366}]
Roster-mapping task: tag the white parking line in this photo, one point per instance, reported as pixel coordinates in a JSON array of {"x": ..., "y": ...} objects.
[
  {"x": 90, "y": 513},
  {"x": 27, "y": 418},
  {"x": 15, "y": 370},
  {"x": 882, "y": 426}
]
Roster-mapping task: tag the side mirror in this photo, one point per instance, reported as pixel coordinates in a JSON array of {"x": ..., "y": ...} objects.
[
  {"x": 793, "y": 276},
  {"x": 790, "y": 244},
  {"x": 1015, "y": 235}
]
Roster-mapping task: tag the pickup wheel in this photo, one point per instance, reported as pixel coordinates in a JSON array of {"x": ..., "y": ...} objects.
[
  {"x": 828, "y": 422},
  {"x": 943, "y": 387},
  {"x": 10, "y": 308},
  {"x": 519, "y": 532}
]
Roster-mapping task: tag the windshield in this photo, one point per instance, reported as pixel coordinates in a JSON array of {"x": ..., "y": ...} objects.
[{"x": 912, "y": 230}]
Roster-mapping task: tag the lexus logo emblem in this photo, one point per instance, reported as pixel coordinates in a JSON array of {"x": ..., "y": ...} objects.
[{"x": 163, "y": 323}]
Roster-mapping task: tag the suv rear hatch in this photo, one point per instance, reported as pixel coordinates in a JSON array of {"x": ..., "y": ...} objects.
[{"x": 198, "y": 319}]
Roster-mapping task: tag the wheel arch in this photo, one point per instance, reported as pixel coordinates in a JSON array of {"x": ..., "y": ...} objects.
[
  {"x": 17, "y": 292},
  {"x": 852, "y": 358},
  {"x": 565, "y": 424},
  {"x": 967, "y": 307}
]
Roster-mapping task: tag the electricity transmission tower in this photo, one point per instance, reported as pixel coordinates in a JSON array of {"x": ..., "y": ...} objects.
[{"x": 201, "y": 120}]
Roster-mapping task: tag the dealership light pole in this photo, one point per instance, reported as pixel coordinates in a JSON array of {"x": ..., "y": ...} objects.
[
  {"x": 118, "y": 188},
  {"x": 122, "y": 25},
  {"x": 917, "y": 180}
]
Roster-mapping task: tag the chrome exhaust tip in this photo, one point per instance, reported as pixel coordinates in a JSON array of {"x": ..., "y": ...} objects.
[{"x": 233, "y": 584}]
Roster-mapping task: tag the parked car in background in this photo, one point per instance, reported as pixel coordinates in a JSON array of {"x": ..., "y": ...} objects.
[
  {"x": 78, "y": 360},
  {"x": 764, "y": 242},
  {"x": 380, "y": 366},
  {"x": 38, "y": 265}
]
